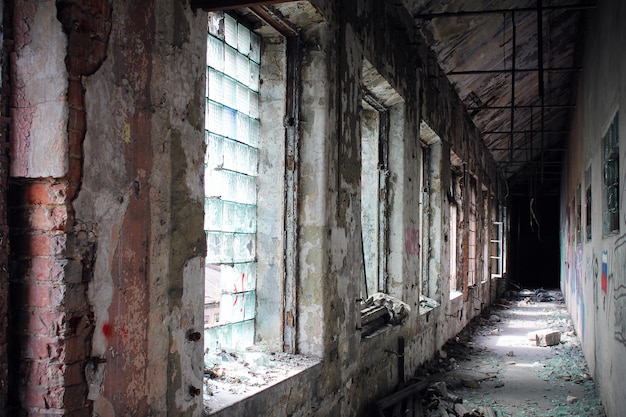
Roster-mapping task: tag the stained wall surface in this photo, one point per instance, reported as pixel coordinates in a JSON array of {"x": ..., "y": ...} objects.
[
  {"x": 593, "y": 269},
  {"x": 106, "y": 209}
]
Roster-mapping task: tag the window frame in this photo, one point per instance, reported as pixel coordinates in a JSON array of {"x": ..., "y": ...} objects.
[
  {"x": 276, "y": 300},
  {"x": 611, "y": 179}
]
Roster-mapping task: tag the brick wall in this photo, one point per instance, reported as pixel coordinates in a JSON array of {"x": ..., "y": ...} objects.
[
  {"x": 52, "y": 255},
  {"x": 51, "y": 324}
]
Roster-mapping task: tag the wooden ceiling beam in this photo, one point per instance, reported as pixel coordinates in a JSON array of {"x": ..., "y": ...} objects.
[{"x": 214, "y": 5}]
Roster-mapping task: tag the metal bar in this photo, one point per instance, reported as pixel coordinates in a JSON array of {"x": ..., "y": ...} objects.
[
  {"x": 505, "y": 71},
  {"x": 292, "y": 164},
  {"x": 533, "y": 162},
  {"x": 214, "y": 5},
  {"x": 540, "y": 73},
  {"x": 429, "y": 16},
  {"x": 504, "y": 132},
  {"x": 276, "y": 20},
  {"x": 527, "y": 149},
  {"x": 512, "y": 129},
  {"x": 524, "y": 106}
]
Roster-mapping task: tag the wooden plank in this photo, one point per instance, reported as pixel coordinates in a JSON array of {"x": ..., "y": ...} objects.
[
  {"x": 370, "y": 314},
  {"x": 213, "y": 5}
]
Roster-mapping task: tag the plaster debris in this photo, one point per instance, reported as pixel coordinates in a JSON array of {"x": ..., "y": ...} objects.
[
  {"x": 397, "y": 310},
  {"x": 232, "y": 376},
  {"x": 477, "y": 378}
]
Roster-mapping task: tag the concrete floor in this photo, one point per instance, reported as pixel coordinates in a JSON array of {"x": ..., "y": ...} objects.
[{"x": 493, "y": 363}]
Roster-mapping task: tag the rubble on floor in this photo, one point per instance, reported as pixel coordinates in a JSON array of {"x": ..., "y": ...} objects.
[
  {"x": 231, "y": 376},
  {"x": 492, "y": 368}
]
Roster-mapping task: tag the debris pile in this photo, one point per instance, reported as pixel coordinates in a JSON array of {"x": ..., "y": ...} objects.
[
  {"x": 232, "y": 376},
  {"x": 381, "y": 310},
  {"x": 430, "y": 399},
  {"x": 522, "y": 357}
]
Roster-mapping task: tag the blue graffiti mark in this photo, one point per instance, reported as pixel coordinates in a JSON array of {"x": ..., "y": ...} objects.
[{"x": 618, "y": 276}]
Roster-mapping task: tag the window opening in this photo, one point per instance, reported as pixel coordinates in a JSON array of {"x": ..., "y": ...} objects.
[
  {"x": 424, "y": 221},
  {"x": 453, "y": 247},
  {"x": 430, "y": 216},
  {"x": 588, "y": 204},
  {"x": 250, "y": 212},
  {"x": 497, "y": 243},
  {"x": 472, "y": 228},
  {"x": 484, "y": 256},
  {"x": 232, "y": 139},
  {"x": 374, "y": 139},
  {"x": 611, "y": 179},
  {"x": 456, "y": 225},
  {"x": 381, "y": 118}
]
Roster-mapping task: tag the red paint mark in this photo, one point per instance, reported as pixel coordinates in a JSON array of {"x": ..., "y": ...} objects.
[
  {"x": 107, "y": 330},
  {"x": 242, "y": 290},
  {"x": 243, "y": 276},
  {"x": 412, "y": 241},
  {"x": 605, "y": 271}
]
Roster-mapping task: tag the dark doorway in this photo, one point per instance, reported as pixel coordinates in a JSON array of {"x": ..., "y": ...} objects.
[{"x": 534, "y": 243}]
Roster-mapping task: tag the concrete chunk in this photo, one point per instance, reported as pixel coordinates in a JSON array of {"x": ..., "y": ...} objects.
[{"x": 545, "y": 337}]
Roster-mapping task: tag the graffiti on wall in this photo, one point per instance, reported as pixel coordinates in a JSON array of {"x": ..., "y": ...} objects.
[
  {"x": 578, "y": 288},
  {"x": 619, "y": 288},
  {"x": 605, "y": 271},
  {"x": 412, "y": 241}
]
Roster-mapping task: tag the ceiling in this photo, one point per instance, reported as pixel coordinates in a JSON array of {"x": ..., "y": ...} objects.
[{"x": 515, "y": 73}]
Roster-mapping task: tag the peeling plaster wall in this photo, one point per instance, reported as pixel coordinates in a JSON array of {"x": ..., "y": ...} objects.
[
  {"x": 355, "y": 372},
  {"x": 135, "y": 205},
  {"x": 39, "y": 108},
  {"x": 142, "y": 189},
  {"x": 593, "y": 273}
]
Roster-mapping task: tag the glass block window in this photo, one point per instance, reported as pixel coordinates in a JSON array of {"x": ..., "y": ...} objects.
[
  {"x": 231, "y": 160},
  {"x": 610, "y": 160}
]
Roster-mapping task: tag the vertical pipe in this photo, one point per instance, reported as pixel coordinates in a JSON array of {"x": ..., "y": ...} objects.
[
  {"x": 513, "y": 52},
  {"x": 291, "y": 194},
  {"x": 540, "y": 72}
]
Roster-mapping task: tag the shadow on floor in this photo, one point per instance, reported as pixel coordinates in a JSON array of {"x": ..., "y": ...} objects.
[{"x": 520, "y": 358}]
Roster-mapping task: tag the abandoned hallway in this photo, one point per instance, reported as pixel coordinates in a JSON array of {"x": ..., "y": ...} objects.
[{"x": 312, "y": 208}]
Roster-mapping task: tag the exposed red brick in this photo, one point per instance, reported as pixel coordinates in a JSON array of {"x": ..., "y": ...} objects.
[
  {"x": 34, "y": 396},
  {"x": 77, "y": 120},
  {"x": 74, "y": 374},
  {"x": 75, "y": 396},
  {"x": 46, "y": 244},
  {"x": 75, "y": 169},
  {"x": 24, "y": 193},
  {"x": 44, "y": 269},
  {"x": 41, "y": 322},
  {"x": 40, "y": 217},
  {"x": 82, "y": 411},
  {"x": 75, "y": 349},
  {"x": 38, "y": 347},
  {"x": 46, "y": 374},
  {"x": 40, "y": 294},
  {"x": 75, "y": 93},
  {"x": 76, "y": 298}
]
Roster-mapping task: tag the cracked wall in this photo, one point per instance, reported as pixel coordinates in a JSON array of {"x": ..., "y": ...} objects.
[
  {"x": 593, "y": 276},
  {"x": 107, "y": 209}
]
